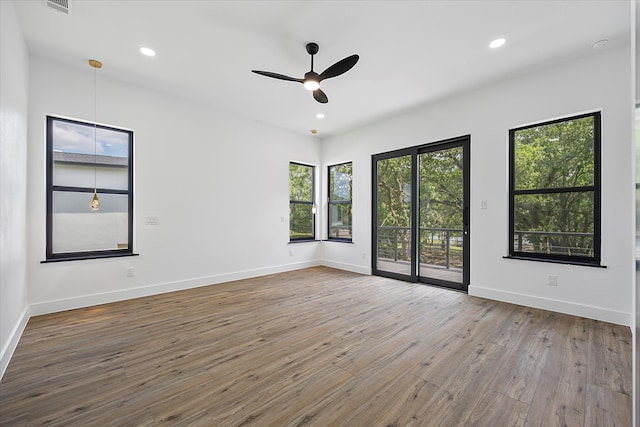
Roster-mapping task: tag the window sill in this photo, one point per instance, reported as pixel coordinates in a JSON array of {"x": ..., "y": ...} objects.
[
  {"x": 339, "y": 240},
  {"x": 555, "y": 261},
  {"x": 303, "y": 241},
  {"x": 93, "y": 256}
]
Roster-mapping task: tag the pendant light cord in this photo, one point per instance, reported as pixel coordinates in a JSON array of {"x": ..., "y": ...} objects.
[
  {"x": 95, "y": 202},
  {"x": 95, "y": 130}
]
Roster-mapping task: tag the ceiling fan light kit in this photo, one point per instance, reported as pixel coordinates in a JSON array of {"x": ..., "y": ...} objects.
[{"x": 311, "y": 80}]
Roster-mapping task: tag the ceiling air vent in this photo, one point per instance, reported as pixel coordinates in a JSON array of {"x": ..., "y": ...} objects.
[{"x": 63, "y": 6}]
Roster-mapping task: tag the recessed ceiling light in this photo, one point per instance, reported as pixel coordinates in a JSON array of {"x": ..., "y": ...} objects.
[
  {"x": 497, "y": 43},
  {"x": 320, "y": 116},
  {"x": 314, "y": 131},
  {"x": 600, "y": 44},
  {"x": 147, "y": 51}
]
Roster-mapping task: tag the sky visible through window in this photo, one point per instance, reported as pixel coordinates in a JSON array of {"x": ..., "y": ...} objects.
[
  {"x": 342, "y": 186},
  {"x": 78, "y": 138}
]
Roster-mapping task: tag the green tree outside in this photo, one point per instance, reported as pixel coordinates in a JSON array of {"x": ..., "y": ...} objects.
[{"x": 558, "y": 156}]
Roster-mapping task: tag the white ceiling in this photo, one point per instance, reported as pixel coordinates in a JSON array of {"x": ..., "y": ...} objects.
[{"x": 411, "y": 52}]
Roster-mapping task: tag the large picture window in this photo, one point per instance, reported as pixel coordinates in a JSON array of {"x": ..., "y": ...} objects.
[
  {"x": 339, "y": 201},
  {"x": 555, "y": 190},
  {"x": 83, "y": 158},
  {"x": 302, "y": 209}
]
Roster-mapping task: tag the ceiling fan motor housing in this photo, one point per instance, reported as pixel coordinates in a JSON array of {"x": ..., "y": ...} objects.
[
  {"x": 312, "y": 48},
  {"x": 311, "y": 75}
]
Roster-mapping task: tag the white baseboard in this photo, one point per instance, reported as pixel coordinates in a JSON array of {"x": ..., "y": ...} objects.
[
  {"x": 12, "y": 342},
  {"x": 47, "y": 307},
  {"x": 596, "y": 313},
  {"x": 348, "y": 267}
]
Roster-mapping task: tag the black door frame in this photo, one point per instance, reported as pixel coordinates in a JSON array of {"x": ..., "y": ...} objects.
[{"x": 414, "y": 152}]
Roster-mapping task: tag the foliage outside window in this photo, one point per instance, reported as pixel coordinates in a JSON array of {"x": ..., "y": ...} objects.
[
  {"x": 555, "y": 190},
  {"x": 301, "y": 202},
  {"x": 82, "y": 157},
  {"x": 394, "y": 205},
  {"x": 340, "y": 189},
  {"x": 440, "y": 208}
]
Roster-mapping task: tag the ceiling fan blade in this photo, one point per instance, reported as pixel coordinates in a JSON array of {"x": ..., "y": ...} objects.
[
  {"x": 277, "y": 76},
  {"x": 340, "y": 67},
  {"x": 320, "y": 96}
]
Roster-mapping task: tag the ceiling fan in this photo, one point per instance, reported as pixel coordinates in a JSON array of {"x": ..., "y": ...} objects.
[{"x": 311, "y": 80}]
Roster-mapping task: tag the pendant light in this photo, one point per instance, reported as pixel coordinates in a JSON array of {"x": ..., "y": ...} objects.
[{"x": 95, "y": 203}]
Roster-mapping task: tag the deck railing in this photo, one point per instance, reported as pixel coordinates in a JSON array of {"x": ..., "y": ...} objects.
[
  {"x": 437, "y": 244},
  {"x": 553, "y": 242},
  {"x": 394, "y": 244}
]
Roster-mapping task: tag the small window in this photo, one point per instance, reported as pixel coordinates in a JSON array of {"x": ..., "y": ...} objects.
[
  {"x": 83, "y": 159},
  {"x": 340, "y": 188},
  {"x": 302, "y": 209},
  {"x": 555, "y": 190}
]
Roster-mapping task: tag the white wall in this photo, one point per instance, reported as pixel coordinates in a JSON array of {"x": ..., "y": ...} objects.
[
  {"x": 214, "y": 182},
  {"x": 599, "y": 81},
  {"x": 635, "y": 328},
  {"x": 14, "y": 72}
]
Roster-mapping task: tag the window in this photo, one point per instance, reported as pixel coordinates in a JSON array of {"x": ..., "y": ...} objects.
[
  {"x": 82, "y": 157},
  {"x": 555, "y": 190},
  {"x": 302, "y": 209},
  {"x": 340, "y": 187}
]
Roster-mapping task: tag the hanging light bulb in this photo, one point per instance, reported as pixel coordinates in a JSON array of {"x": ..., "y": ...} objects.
[{"x": 95, "y": 202}]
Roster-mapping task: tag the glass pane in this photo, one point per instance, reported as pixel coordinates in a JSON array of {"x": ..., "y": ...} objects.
[
  {"x": 441, "y": 207},
  {"x": 394, "y": 215},
  {"x": 71, "y": 174},
  {"x": 554, "y": 223},
  {"x": 441, "y": 248},
  {"x": 82, "y": 138},
  {"x": 441, "y": 192},
  {"x": 340, "y": 221},
  {"x": 301, "y": 221},
  {"x": 340, "y": 182},
  {"x": 300, "y": 182},
  {"x": 557, "y": 155},
  {"x": 78, "y": 148},
  {"x": 76, "y": 228}
]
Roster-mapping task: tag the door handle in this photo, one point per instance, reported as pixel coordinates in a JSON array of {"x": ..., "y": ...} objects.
[{"x": 465, "y": 221}]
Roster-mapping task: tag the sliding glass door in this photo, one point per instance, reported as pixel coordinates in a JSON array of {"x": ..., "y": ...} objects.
[{"x": 421, "y": 214}]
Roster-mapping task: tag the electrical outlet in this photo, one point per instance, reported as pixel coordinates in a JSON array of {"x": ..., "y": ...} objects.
[
  {"x": 152, "y": 220},
  {"x": 131, "y": 272},
  {"x": 290, "y": 253},
  {"x": 483, "y": 204},
  {"x": 552, "y": 280}
]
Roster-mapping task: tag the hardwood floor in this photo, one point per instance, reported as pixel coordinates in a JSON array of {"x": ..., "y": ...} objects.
[{"x": 317, "y": 347}]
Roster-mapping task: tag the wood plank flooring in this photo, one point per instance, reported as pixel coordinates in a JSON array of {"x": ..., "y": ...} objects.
[{"x": 317, "y": 347}]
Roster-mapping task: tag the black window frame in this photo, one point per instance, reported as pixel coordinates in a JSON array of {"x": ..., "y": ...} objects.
[
  {"x": 331, "y": 202},
  {"x": 311, "y": 203},
  {"x": 51, "y": 188},
  {"x": 595, "y": 188}
]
